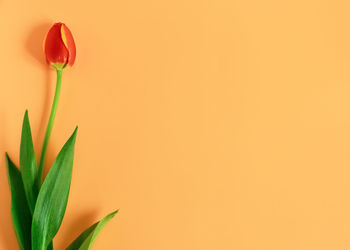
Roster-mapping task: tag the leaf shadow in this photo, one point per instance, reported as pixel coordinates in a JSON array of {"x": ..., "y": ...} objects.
[{"x": 76, "y": 227}]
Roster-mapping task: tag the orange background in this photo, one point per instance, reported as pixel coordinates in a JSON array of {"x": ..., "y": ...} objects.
[{"x": 211, "y": 124}]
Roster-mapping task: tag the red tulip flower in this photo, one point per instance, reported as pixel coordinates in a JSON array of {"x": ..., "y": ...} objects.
[{"x": 59, "y": 46}]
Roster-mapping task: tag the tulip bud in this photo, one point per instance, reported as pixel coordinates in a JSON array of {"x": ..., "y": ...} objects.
[{"x": 59, "y": 46}]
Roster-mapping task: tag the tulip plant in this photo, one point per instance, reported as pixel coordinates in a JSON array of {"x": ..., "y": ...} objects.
[{"x": 38, "y": 204}]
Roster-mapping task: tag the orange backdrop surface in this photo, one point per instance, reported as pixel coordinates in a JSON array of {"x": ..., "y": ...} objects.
[{"x": 211, "y": 124}]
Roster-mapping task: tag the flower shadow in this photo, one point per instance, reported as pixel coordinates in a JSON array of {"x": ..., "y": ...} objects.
[{"x": 35, "y": 40}]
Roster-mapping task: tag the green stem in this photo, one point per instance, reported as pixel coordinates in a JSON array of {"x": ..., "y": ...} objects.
[{"x": 49, "y": 126}]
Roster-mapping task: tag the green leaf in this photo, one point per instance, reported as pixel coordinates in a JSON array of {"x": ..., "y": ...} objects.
[
  {"x": 50, "y": 247},
  {"x": 87, "y": 238},
  {"x": 29, "y": 168},
  {"x": 21, "y": 216},
  {"x": 53, "y": 196}
]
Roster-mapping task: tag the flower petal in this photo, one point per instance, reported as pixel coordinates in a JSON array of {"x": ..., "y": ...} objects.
[
  {"x": 55, "y": 50},
  {"x": 67, "y": 39}
]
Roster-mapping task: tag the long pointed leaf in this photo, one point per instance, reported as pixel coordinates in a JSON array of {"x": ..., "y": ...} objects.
[
  {"x": 21, "y": 216},
  {"x": 53, "y": 196},
  {"x": 28, "y": 165},
  {"x": 87, "y": 238}
]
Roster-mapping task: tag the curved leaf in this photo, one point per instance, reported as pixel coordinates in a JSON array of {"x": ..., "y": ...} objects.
[
  {"x": 21, "y": 216},
  {"x": 53, "y": 196},
  {"x": 87, "y": 238},
  {"x": 28, "y": 165}
]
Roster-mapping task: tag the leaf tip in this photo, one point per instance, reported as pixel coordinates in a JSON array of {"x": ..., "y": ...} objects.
[
  {"x": 113, "y": 213},
  {"x": 74, "y": 135},
  {"x": 7, "y": 159},
  {"x": 25, "y": 119}
]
